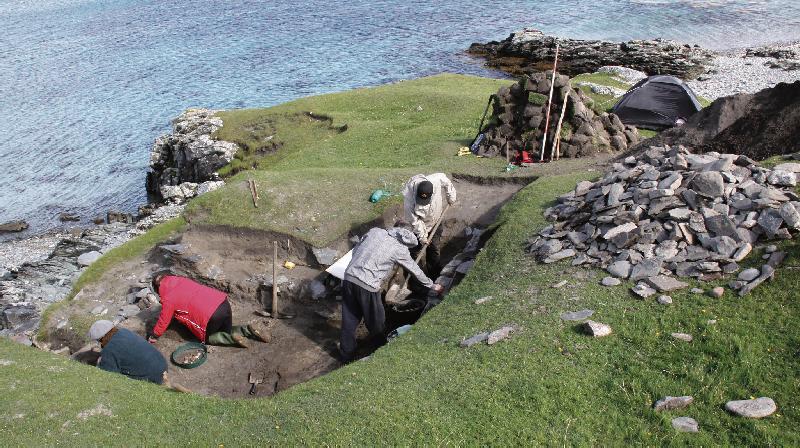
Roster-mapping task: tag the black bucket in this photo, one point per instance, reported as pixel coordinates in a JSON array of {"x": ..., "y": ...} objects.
[{"x": 405, "y": 312}]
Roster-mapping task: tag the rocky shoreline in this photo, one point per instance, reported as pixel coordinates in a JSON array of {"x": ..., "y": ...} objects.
[
  {"x": 710, "y": 74},
  {"x": 530, "y": 50},
  {"x": 40, "y": 270}
]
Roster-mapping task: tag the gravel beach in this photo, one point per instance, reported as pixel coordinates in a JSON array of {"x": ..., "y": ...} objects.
[{"x": 735, "y": 72}]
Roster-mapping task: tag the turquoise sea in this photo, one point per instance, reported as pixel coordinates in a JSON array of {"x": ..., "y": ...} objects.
[{"x": 86, "y": 86}]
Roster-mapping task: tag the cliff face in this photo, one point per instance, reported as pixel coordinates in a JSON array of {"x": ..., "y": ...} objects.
[
  {"x": 188, "y": 154},
  {"x": 530, "y": 50}
]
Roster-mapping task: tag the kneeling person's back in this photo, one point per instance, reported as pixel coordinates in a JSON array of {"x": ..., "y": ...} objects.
[{"x": 128, "y": 353}]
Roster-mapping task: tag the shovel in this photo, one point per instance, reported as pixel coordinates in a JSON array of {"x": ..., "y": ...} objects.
[
  {"x": 393, "y": 294},
  {"x": 254, "y": 382}
]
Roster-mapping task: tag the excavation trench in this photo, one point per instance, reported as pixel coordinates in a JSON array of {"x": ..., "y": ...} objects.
[{"x": 240, "y": 262}]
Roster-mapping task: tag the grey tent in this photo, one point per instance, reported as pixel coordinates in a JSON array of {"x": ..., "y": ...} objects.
[{"x": 657, "y": 103}]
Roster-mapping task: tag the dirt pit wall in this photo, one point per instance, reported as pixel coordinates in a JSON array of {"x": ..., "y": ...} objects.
[{"x": 239, "y": 261}]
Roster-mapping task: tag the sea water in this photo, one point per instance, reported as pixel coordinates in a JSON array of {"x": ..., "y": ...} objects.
[{"x": 86, "y": 86}]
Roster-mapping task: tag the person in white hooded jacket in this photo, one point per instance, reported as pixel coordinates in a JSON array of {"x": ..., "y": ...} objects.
[
  {"x": 423, "y": 203},
  {"x": 374, "y": 258}
]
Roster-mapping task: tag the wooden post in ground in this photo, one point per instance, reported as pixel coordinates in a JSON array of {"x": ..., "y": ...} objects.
[
  {"x": 557, "y": 137},
  {"x": 253, "y": 192},
  {"x": 549, "y": 102},
  {"x": 275, "y": 279}
]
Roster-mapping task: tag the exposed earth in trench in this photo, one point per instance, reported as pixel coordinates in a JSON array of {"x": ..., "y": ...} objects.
[{"x": 239, "y": 261}]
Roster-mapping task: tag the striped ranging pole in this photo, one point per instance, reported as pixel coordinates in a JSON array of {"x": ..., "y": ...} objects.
[
  {"x": 549, "y": 103},
  {"x": 557, "y": 144}
]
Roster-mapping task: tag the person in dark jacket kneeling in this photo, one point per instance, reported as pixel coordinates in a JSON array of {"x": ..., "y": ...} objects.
[{"x": 125, "y": 352}]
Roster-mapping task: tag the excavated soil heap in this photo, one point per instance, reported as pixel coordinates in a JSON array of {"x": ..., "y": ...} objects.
[{"x": 758, "y": 125}]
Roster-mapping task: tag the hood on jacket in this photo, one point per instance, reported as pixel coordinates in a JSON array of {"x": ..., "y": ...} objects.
[{"x": 405, "y": 236}]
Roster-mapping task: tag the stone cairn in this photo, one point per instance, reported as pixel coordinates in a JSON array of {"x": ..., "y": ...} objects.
[
  {"x": 518, "y": 120},
  {"x": 667, "y": 212}
]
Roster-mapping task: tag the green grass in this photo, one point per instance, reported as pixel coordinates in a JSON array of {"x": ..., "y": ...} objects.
[
  {"x": 647, "y": 133},
  {"x": 548, "y": 385},
  {"x": 392, "y": 132},
  {"x": 133, "y": 248}
]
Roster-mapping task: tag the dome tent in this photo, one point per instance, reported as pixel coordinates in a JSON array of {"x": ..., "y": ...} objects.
[{"x": 657, "y": 103}]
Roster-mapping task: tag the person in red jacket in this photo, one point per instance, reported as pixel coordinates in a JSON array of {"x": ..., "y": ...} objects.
[{"x": 205, "y": 311}]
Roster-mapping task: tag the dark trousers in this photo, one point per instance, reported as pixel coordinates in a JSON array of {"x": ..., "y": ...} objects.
[
  {"x": 357, "y": 304},
  {"x": 221, "y": 320},
  {"x": 433, "y": 264}
]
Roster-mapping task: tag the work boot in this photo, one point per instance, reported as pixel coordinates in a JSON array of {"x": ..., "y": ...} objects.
[
  {"x": 259, "y": 332},
  {"x": 241, "y": 341}
]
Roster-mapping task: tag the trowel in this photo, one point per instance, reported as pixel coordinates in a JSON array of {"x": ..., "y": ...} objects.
[{"x": 254, "y": 381}]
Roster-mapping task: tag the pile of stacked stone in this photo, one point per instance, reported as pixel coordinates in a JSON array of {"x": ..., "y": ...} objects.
[
  {"x": 673, "y": 212},
  {"x": 519, "y": 118}
]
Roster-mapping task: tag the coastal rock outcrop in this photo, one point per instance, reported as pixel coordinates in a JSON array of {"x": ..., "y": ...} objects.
[
  {"x": 519, "y": 118},
  {"x": 189, "y": 154},
  {"x": 30, "y": 287},
  {"x": 530, "y": 50}
]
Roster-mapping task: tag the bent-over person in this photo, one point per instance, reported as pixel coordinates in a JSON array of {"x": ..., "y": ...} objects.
[{"x": 374, "y": 259}]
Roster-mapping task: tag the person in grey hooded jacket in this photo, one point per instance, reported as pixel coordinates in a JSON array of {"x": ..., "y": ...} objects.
[{"x": 374, "y": 258}]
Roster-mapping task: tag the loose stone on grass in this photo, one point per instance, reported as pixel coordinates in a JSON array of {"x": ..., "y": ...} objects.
[
  {"x": 717, "y": 292},
  {"x": 673, "y": 403},
  {"x": 483, "y": 300},
  {"x": 749, "y": 274},
  {"x": 560, "y": 255},
  {"x": 478, "y": 338},
  {"x": 755, "y": 408},
  {"x": 610, "y": 281},
  {"x": 499, "y": 334},
  {"x": 642, "y": 290},
  {"x": 559, "y": 284},
  {"x": 682, "y": 337},
  {"x": 596, "y": 329},
  {"x": 619, "y": 269},
  {"x": 685, "y": 424},
  {"x": 664, "y": 283},
  {"x": 577, "y": 315},
  {"x": 664, "y": 300}
]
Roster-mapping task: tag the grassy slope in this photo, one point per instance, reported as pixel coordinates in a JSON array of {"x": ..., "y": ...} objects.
[
  {"x": 393, "y": 132},
  {"x": 547, "y": 385}
]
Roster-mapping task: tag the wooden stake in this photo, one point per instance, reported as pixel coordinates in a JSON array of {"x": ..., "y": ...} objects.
[
  {"x": 557, "y": 137},
  {"x": 275, "y": 279},
  {"x": 549, "y": 102},
  {"x": 253, "y": 192}
]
